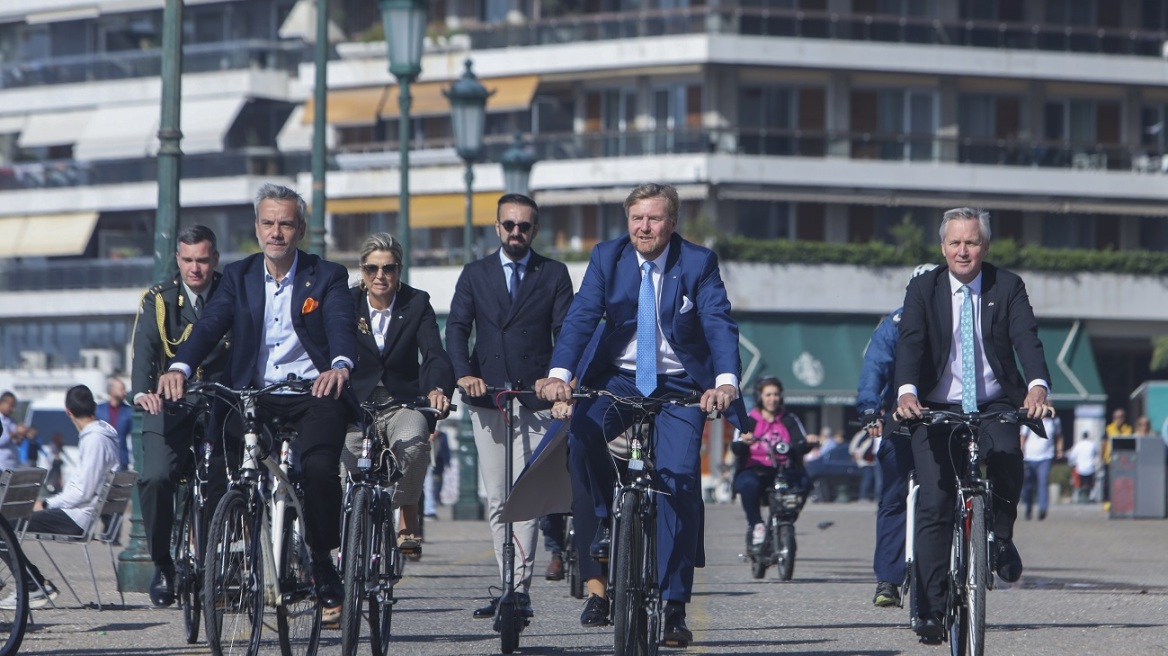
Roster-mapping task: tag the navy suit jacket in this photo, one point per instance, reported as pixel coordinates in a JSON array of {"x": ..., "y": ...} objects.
[
  {"x": 513, "y": 341},
  {"x": 1007, "y": 327},
  {"x": 327, "y": 330},
  {"x": 694, "y": 314}
]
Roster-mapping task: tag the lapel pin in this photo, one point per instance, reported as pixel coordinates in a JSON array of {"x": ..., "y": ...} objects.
[
  {"x": 307, "y": 283},
  {"x": 991, "y": 304}
]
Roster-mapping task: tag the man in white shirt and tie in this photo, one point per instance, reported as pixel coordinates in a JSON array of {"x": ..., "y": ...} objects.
[{"x": 961, "y": 327}]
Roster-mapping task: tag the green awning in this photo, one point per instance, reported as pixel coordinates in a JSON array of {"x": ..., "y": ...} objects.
[
  {"x": 818, "y": 357},
  {"x": 1074, "y": 376}
]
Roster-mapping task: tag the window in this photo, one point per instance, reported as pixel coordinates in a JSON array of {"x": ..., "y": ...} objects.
[
  {"x": 894, "y": 124},
  {"x": 1085, "y": 127},
  {"x": 765, "y": 220},
  {"x": 611, "y": 112},
  {"x": 983, "y": 122},
  {"x": 1068, "y": 230},
  {"x": 1154, "y": 233},
  {"x": 675, "y": 119}
]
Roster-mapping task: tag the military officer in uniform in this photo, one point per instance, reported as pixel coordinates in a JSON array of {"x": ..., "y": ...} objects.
[{"x": 168, "y": 312}]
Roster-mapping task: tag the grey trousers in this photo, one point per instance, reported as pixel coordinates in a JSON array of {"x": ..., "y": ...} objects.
[
  {"x": 490, "y": 431},
  {"x": 409, "y": 442}
]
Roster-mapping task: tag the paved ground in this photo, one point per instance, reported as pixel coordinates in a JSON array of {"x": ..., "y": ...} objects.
[{"x": 1091, "y": 586}]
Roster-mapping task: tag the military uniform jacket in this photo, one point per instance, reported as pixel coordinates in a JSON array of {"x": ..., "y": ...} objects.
[{"x": 154, "y": 351}]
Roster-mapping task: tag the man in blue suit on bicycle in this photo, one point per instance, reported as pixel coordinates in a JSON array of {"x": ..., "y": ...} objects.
[{"x": 667, "y": 329}]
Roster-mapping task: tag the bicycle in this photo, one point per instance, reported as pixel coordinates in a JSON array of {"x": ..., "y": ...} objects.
[
  {"x": 786, "y": 501},
  {"x": 572, "y": 560},
  {"x": 13, "y": 576},
  {"x": 188, "y": 535},
  {"x": 371, "y": 561},
  {"x": 972, "y": 553},
  {"x": 633, "y": 584},
  {"x": 257, "y": 529}
]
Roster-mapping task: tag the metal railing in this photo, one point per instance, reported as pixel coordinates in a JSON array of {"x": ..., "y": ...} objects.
[
  {"x": 819, "y": 25},
  {"x": 125, "y": 64}
]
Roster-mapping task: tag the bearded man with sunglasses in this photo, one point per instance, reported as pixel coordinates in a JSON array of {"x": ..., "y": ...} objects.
[{"x": 515, "y": 301}]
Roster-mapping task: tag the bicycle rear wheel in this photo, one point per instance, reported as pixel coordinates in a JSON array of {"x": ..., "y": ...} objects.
[
  {"x": 355, "y": 557},
  {"x": 785, "y": 544},
  {"x": 388, "y": 568},
  {"x": 233, "y": 580},
  {"x": 187, "y": 565},
  {"x": 630, "y": 630},
  {"x": 298, "y": 614},
  {"x": 14, "y": 578},
  {"x": 978, "y": 578}
]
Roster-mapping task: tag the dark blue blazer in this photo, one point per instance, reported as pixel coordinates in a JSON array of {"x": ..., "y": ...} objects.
[
  {"x": 694, "y": 313},
  {"x": 327, "y": 331},
  {"x": 1008, "y": 327},
  {"x": 513, "y": 342},
  {"x": 124, "y": 426}
]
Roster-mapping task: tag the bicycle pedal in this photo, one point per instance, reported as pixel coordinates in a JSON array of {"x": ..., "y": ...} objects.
[
  {"x": 675, "y": 644},
  {"x": 931, "y": 641}
]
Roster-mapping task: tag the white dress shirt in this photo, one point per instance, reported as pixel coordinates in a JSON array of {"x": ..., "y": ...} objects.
[
  {"x": 667, "y": 361},
  {"x": 380, "y": 322},
  {"x": 281, "y": 352}
]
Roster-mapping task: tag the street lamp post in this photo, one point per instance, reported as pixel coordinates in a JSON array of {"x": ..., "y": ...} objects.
[
  {"x": 468, "y": 103},
  {"x": 405, "y": 27},
  {"x": 517, "y": 163}
]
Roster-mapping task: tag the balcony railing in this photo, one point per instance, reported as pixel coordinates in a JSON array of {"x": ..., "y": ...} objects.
[
  {"x": 820, "y": 25},
  {"x": 786, "y": 142},
  {"x": 73, "y": 173},
  {"x": 120, "y": 65}
]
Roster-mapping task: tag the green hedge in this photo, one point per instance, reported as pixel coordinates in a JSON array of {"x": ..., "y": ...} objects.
[{"x": 1005, "y": 253}]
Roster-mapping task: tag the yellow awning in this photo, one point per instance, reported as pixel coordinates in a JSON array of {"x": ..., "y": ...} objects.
[
  {"x": 510, "y": 94},
  {"x": 46, "y": 234},
  {"x": 350, "y": 106},
  {"x": 362, "y": 106},
  {"x": 361, "y": 205},
  {"x": 433, "y": 211}
]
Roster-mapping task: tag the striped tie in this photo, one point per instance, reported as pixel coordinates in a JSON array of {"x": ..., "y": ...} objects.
[{"x": 968, "y": 368}]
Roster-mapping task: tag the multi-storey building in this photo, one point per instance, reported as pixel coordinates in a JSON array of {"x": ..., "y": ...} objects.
[{"x": 814, "y": 120}]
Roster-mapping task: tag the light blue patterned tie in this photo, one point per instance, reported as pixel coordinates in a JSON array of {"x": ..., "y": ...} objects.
[
  {"x": 647, "y": 333},
  {"x": 968, "y": 369}
]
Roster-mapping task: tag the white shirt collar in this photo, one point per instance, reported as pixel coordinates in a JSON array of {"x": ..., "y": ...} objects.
[
  {"x": 288, "y": 277},
  {"x": 506, "y": 260},
  {"x": 387, "y": 312},
  {"x": 659, "y": 262},
  {"x": 974, "y": 285}
]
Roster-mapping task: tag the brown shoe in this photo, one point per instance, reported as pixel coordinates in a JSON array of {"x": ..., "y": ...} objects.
[{"x": 555, "y": 569}]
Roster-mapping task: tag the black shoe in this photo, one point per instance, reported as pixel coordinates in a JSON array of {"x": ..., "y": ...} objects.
[
  {"x": 162, "y": 587},
  {"x": 595, "y": 612},
  {"x": 523, "y": 603},
  {"x": 1041, "y": 515},
  {"x": 1027, "y": 514},
  {"x": 329, "y": 589},
  {"x": 930, "y": 629},
  {"x": 1009, "y": 562},
  {"x": 887, "y": 594},
  {"x": 487, "y": 611},
  {"x": 599, "y": 549},
  {"x": 677, "y": 634}
]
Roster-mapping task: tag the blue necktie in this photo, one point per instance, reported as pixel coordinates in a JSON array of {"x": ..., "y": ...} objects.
[
  {"x": 647, "y": 333},
  {"x": 968, "y": 369},
  {"x": 513, "y": 288}
]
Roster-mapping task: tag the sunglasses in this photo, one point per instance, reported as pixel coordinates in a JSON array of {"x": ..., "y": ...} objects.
[
  {"x": 372, "y": 269},
  {"x": 524, "y": 227}
]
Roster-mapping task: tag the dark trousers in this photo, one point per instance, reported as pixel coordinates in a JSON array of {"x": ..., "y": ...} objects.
[
  {"x": 752, "y": 484},
  {"x": 678, "y": 453},
  {"x": 553, "y": 527},
  {"x": 320, "y": 428},
  {"x": 934, "y": 454},
  {"x": 54, "y": 521},
  {"x": 166, "y": 456},
  {"x": 895, "y": 461}
]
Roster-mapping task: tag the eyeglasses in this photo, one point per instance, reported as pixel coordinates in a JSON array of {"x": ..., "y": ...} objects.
[
  {"x": 372, "y": 269},
  {"x": 524, "y": 227}
]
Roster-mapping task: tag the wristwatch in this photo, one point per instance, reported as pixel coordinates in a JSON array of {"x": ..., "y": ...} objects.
[{"x": 341, "y": 364}]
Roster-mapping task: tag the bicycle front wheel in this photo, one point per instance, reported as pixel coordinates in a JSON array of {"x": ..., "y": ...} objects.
[
  {"x": 785, "y": 544},
  {"x": 14, "y": 579},
  {"x": 233, "y": 580},
  {"x": 354, "y": 554},
  {"x": 572, "y": 560},
  {"x": 389, "y": 569},
  {"x": 978, "y": 578},
  {"x": 298, "y": 613},
  {"x": 187, "y": 562},
  {"x": 958, "y": 610},
  {"x": 630, "y": 630}
]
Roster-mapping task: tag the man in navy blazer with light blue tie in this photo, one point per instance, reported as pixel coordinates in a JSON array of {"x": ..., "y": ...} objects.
[
  {"x": 696, "y": 349},
  {"x": 290, "y": 313}
]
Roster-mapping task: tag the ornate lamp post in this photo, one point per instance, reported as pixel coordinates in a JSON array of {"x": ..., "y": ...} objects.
[
  {"x": 405, "y": 27},
  {"x": 468, "y": 116},
  {"x": 517, "y": 163}
]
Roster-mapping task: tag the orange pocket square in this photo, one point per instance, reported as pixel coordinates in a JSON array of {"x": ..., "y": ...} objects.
[{"x": 309, "y": 306}]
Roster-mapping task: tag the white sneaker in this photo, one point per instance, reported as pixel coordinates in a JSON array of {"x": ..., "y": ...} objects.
[
  {"x": 759, "y": 534},
  {"x": 36, "y": 598},
  {"x": 9, "y": 602}
]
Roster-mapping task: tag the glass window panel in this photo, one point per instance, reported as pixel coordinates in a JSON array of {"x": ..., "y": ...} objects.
[{"x": 1082, "y": 126}]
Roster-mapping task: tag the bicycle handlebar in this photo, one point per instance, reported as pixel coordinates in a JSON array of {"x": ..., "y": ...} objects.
[
  {"x": 974, "y": 419},
  {"x": 419, "y": 403},
  {"x": 209, "y": 388}
]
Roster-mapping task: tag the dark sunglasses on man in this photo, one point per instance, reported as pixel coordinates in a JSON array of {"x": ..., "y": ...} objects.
[{"x": 524, "y": 227}]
